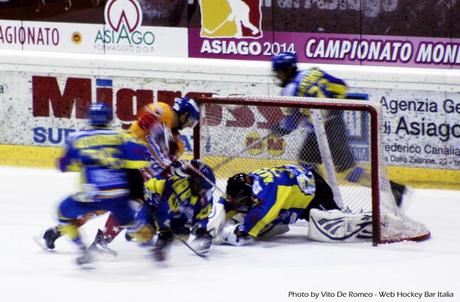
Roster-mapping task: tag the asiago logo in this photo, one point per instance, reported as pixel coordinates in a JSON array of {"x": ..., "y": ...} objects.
[
  {"x": 119, "y": 13},
  {"x": 238, "y": 19},
  {"x": 123, "y": 29}
]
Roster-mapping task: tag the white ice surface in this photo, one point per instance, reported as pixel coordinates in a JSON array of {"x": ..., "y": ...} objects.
[{"x": 265, "y": 271}]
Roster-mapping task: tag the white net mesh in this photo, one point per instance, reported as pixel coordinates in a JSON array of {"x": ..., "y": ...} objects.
[{"x": 336, "y": 137}]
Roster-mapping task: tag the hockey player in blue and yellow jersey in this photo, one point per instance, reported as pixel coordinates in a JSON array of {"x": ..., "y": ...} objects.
[
  {"x": 158, "y": 126},
  {"x": 184, "y": 202},
  {"x": 317, "y": 83},
  {"x": 312, "y": 82},
  {"x": 102, "y": 156},
  {"x": 272, "y": 197}
]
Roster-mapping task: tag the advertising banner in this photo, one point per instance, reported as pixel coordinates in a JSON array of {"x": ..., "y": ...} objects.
[
  {"x": 354, "y": 32},
  {"x": 131, "y": 27},
  {"x": 372, "y": 32},
  {"x": 421, "y": 128},
  {"x": 42, "y": 109},
  {"x": 125, "y": 32}
]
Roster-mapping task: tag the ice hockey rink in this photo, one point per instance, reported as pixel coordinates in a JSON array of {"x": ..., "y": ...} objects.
[{"x": 265, "y": 271}]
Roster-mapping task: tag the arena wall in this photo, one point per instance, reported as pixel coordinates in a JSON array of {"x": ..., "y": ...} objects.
[{"x": 43, "y": 96}]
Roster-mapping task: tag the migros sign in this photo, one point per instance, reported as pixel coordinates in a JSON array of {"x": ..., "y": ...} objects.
[
  {"x": 49, "y": 100},
  {"x": 68, "y": 99}
]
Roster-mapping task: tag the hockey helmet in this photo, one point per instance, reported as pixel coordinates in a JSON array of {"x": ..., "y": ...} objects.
[
  {"x": 99, "y": 114},
  {"x": 284, "y": 60},
  {"x": 187, "y": 111},
  {"x": 202, "y": 177},
  {"x": 239, "y": 190}
]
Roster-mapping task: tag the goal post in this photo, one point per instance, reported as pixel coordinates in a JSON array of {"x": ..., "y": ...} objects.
[{"x": 233, "y": 137}]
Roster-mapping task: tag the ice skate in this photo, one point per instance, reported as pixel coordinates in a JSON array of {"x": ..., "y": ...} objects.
[
  {"x": 400, "y": 193},
  {"x": 50, "y": 236},
  {"x": 162, "y": 246},
  {"x": 100, "y": 245},
  {"x": 85, "y": 258},
  {"x": 47, "y": 240}
]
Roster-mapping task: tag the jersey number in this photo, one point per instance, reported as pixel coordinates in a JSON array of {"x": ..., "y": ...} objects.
[{"x": 104, "y": 156}]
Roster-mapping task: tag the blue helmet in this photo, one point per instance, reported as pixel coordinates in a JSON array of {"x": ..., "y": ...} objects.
[
  {"x": 99, "y": 114},
  {"x": 284, "y": 60},
  {"x": 202, "y": 176},
  {"x": 185, "y": 105}
]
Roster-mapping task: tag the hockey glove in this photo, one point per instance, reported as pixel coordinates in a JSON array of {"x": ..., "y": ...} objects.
[
  {"x": 179, "y": 168},
  {"x": 278, "y": 130},
  {"x": 203, "y": 241},
  {"x": 232, "y": 235},
  {"x": 165, "y": 238},
  {"x": 173, "y": 150}
]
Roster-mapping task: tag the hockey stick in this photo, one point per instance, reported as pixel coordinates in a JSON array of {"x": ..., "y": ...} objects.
[
  {"x": 166, "y": 137},
  {"x": 201, "y": 255},
  {"x": 210, "y": 32},
  {"x": 224, "y": 162},
  {"x": 229, "y": 159},
  {"x": 205, "y": 178}
]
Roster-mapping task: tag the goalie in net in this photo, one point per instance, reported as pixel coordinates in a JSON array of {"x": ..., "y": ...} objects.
[
  {"x": 268, "y": 200},
  {"x": 229, "y": 121}
]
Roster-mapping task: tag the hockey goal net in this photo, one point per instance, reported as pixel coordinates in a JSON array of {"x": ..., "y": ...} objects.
[{"x": 340, "y": 138}]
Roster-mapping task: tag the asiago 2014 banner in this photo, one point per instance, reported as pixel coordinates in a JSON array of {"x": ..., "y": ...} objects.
[
  {"x": 370, "y": 32},
  {"x": 421, "y": 33}
]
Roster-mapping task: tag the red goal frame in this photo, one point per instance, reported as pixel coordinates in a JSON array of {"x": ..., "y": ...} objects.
[{"x": 332, "y": 104}]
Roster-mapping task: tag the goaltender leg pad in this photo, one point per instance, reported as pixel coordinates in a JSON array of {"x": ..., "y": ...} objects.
[
  {"x": 216, "y": 221},
  {"x": 337, "y": 226}
]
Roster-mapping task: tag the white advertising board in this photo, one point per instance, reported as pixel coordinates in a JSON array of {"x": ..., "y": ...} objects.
[
  {"x": 40, "y": 105},
  {"x": 11, "y": 34},
  {"x": 93, "y": 38},
  {"x": 421, "y": 128},
  {"x": 42, "y": 109}
]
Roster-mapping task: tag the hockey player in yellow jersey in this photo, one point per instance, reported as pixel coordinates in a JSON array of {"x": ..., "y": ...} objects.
[
  {"x": 183, "y": 202},
  {"x": 317, "y": 83},
  {"x": 102, "y": 156},
  {"x": 158, "y": 126},
  {"x": 269, "y": 200}
]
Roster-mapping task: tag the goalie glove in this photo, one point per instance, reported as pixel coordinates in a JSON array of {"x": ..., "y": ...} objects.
[{"x": 232, "y": 235}]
